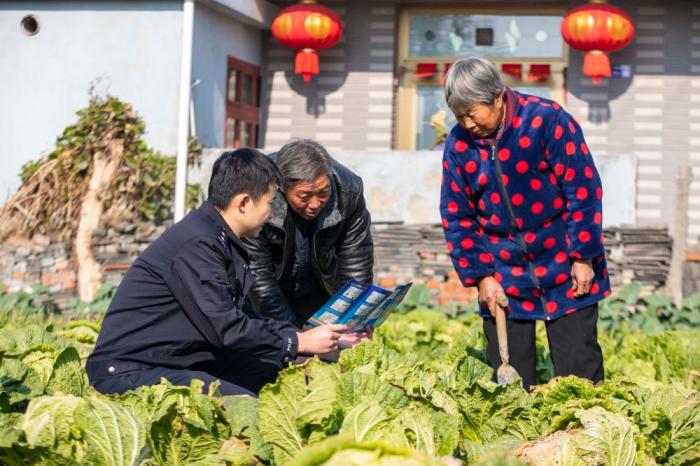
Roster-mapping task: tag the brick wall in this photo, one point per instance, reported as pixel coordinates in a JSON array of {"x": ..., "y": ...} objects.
[
  {"x": 27, "y": 263},
  {"x": 349, "y": 104},
  {"x": 403, "y": 253},
  {"x": 656, "y": 114},
  {"x": 418, "y": 253}
]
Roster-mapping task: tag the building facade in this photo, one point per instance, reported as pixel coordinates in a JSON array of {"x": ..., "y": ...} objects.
[
  {"x": 377, "y": 103},
  {"x": 380, "y": 88},
  {"x": 54, "y": 52}
]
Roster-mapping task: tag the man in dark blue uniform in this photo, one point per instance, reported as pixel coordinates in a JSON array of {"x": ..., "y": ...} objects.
[{"x": 180, "y": 311}]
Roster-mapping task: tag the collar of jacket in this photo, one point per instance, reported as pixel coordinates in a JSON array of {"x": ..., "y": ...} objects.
[
  {"x": 329, "y": 216},
  {"x": 208, "y": 209}
]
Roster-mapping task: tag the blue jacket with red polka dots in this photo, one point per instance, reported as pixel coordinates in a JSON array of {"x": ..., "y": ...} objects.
[{"x": 523, "y": 206}]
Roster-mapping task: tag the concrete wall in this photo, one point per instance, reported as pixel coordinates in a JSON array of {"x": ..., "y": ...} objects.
[
  {"x": 217, "y": 36},
  {"x": 405, "y": 186},
  {"x": 349, "y": 104},
  {"x": 133, "y": 46}
]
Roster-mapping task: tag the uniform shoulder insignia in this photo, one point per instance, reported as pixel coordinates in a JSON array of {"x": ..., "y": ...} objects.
[{"x": 222, "y": 238}]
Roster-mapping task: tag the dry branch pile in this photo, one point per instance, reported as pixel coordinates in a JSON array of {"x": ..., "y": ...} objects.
[{"x": 100, "y": 174}]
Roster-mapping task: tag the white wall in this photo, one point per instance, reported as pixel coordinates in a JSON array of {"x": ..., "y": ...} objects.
[
  {"x": 405, "y": 185},
  {"x": 133, "y": 45},
  {"x": 216, "y": 36}
]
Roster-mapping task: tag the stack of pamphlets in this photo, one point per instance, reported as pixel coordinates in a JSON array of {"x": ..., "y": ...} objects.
[{"x": 359, "y": 306}]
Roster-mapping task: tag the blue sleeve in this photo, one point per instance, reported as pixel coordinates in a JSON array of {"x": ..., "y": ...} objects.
[
  {"x": 465, "y": 242},
  {"x": 578, "y": 177}
]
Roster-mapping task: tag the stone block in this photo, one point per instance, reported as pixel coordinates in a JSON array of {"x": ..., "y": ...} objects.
[
  {"x": 433, "y": 284},
  {"x": 41, "y": 240},
  {"x": 148, "y": 230},
  {"x": 20, "y": 266},
  {"x": 62, "y": 264},
  {"x": 48, "y": 279},
  {"x": 388, "y": 282},
  {"x": 18, "y": 241},
  {"x": 47, "y": 261},
  {"x": 116, "y": 266}
]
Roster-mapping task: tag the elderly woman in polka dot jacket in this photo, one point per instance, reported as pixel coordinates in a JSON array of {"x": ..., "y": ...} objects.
[{"x": 522, "y": 213}]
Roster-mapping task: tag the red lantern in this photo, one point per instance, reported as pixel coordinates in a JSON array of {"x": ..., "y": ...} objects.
[
  {"x": 307, "y": 27},
  {"x": 597, "y": 28}
]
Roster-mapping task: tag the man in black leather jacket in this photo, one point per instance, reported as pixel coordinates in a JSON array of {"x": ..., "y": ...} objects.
[{"x": 317, "y": 238}]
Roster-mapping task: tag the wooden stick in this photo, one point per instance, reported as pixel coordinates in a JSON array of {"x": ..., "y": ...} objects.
[{"x": 502, "y": 334}]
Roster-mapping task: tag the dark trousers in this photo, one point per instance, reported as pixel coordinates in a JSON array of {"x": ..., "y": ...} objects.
[
  {"x": 573, "y": 345},
  {"x": 238, "y": 375}
]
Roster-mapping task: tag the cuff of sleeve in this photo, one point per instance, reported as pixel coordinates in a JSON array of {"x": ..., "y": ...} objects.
[
  {"x": 290, "y": 343},
  {"x": 477, "y": 280},
  {"x": 473, "y": 278},
  {"x": 586, "y": 252}
]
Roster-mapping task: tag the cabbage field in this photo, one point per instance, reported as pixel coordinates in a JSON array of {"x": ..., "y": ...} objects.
[{"x": 419, "y": 394}]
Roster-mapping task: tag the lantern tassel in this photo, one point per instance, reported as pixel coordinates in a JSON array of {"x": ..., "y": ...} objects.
[
  {"x": 596, "y": 65},
  {"x": 306, "y": 63}
]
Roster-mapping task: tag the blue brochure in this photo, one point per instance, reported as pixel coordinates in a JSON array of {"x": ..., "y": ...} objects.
[{"x": 359, "y": 305}]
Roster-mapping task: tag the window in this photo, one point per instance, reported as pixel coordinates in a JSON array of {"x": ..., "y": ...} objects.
[
  {"x": 434, "y": 118},
  {"x": 242, "y": 104},
  {"x": 463, "y": 35},
  {"x": 524, "y": 43}
]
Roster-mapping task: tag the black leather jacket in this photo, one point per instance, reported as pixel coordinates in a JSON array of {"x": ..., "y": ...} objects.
[{"x": 341, "y": 245}]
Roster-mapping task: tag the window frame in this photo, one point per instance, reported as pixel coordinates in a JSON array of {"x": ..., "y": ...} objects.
[
  {"x": 405, "y": 127},
  {"x": 242, "y": 113}
]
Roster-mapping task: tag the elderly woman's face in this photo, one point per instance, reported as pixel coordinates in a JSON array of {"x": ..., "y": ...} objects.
[{"x": 482, "y": 119}]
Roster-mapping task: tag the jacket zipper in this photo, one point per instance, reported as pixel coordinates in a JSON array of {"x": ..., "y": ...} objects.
[
  {"x": 317, "y": 267},
  {"x": 514, "y": 224},
  {"x": 285, "y": 248}
]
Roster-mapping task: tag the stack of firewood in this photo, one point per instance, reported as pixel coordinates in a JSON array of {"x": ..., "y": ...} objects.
[
  {"x": 408, "y": 252},
  {"x": 639, "y": 255}
]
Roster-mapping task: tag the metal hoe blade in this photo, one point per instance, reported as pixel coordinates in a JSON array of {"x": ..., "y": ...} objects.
[{"x": 506, "y": 374}]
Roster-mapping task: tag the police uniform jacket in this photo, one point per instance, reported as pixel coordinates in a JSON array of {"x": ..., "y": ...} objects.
[{"x": 183, "y": 302}]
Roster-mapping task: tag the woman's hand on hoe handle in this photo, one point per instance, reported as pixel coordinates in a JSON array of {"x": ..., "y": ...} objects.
[{"x": 491, "y": 293}]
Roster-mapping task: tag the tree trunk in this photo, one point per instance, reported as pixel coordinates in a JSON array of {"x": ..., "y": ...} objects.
[
  {"x": 105, "y": 166},
  {"x": 674, "y": 284}
]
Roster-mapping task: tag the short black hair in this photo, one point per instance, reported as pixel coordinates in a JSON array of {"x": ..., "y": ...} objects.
[{"x": 241, "y": 171}]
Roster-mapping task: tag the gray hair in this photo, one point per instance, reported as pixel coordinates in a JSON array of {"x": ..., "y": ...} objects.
[
  {"x": 303, "y": 160},
  {"x": 472, "y": 81}
]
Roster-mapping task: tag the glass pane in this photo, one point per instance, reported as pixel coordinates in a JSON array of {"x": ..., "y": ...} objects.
[
  {"x": 247, "y": 90},
  {"x": 434, "y": 118},
  {"x": 232, "y": 79},
  {"x": 456, "y": 35},
  {"x": 230, "y": 131},
  {"x": 246, "y": 130}
]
